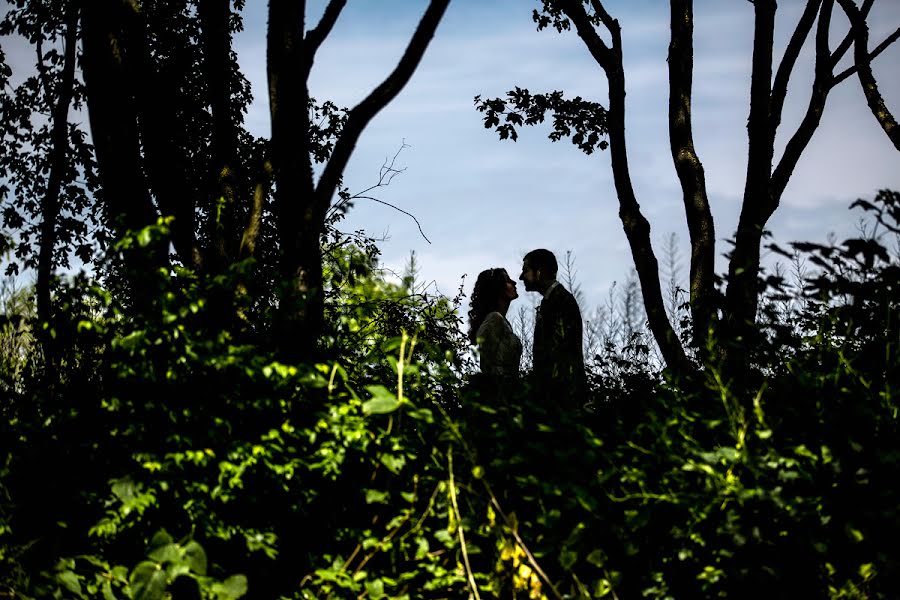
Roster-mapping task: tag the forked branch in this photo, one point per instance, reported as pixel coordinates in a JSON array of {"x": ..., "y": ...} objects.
[{"x": 360, "y": 116}]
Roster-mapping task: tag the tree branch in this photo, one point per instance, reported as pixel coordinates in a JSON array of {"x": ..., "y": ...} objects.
[
  {"x": 316, "y": 36},
  {"x": 850, "y": 71},
  {"x": 604, "y": 56},
  {"x": 845, "y": 44},
  {"x": 58, "y": 158},
  {"x": 789, "y": 60},
  {"x": 360, "y": 116},
  {"x": 821, "y": 86},
  {"x": 863, "y": 65}
]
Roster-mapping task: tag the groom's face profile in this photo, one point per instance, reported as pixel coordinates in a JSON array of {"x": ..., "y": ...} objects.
[{"x": 530, "y": 276}]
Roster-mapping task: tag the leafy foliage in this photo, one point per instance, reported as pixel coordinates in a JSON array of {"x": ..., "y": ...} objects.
[
  {"x": 582, "y": 120},
  {"x": 176, "y": 458}
]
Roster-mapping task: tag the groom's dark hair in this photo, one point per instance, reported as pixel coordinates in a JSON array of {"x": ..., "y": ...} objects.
[{"x": 544, "y": 260}]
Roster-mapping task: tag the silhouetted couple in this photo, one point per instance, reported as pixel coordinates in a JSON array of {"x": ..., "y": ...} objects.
[{"x": 557, "y": 360}]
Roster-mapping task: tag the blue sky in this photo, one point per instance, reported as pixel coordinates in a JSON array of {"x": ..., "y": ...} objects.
[{"x": 483, "y": 202}]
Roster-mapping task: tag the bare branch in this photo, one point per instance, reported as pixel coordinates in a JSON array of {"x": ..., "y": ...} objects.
[
  {"x": 315, "y": 37},
  {"x": 821, "y": 86},
  {"x": 850, "y": 71},
  {"x": 789, "y": 60},
  {"x": 360, "y": 116},
  {"x": 845, "y": 44},
  {"x": 863, "y": 65},
  {"x": 385, "y": 176},
  {"x": 398, "y": 209}
]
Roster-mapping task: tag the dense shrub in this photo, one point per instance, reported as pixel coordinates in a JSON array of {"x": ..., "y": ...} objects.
[{"x": 166, "y": 456}]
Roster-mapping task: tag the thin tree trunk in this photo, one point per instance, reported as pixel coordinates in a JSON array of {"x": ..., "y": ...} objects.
[
  {"x": 214, "y": 18},
  {"x": 165, "y": 157},
  {"x": 690, "y": 172},
  {"x": 758, "y": 204},
  {"x": 298, "y": 321},
  {"x": 637, "y": 228},
  {"x": 50, "y": 206}
]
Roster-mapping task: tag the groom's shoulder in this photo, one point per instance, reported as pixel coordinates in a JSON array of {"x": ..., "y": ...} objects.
[{"x": 561, "y": 294}]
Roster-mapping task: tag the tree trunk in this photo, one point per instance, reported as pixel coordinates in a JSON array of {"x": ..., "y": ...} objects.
[
  {"x": 758, "y": 204},
  {"x": 114, "y": 130},
  {"x": 288, "y": 71},
  {"x": 165, "y": 156},
  {"x": 58, "y": 167},
  {"x": 691, "y": 173},
  {"x": 637, "y": 228},
  {"x": 301, "y": 205},
  {"x": 214, "y": 18}
]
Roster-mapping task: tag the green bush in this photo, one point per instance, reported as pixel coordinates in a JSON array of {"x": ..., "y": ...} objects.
[{"x": 167, "y": 456}]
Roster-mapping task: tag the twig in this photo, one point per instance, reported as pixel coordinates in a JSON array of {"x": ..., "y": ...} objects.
[
  {"x": 410, "y": 215},
  {"x": 459, "y": 527},
  {"x": 528, "y": 555},
  {"x": 496, "y": 503}
]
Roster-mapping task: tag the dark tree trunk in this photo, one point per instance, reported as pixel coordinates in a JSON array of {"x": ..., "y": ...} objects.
[
  {"x": 112, "y": 110},
  {"x": 50, "y": 205},
  {"x": 297, "y": 326},
  {"x": 300, "y": 203},
  {"x": 214, "y": 18},
  {"x": 165, "y": 156},
  {"x": 758, "y": 204},
  {"x": 637, "y": 228},
  {"x": 691, "y": 173}
]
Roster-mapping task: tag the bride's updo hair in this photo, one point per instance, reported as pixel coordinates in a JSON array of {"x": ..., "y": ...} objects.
[{"x": 485, "y": 297}]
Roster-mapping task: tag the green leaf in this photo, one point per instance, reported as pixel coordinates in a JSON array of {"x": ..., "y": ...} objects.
[
  {"x": 376, "y": 497},
  {"x": 232, "y": 588},
  {"x": 393, "y": 463},
  {"x": 602, "y": 587},
  {"x": 597, "y": 558},
  {"x": 375, "y": 589},
  {"x": 195, "y": 557},
  {"x": 160, "y": 538},
  {"x": 166, "y": 553},
  {"x": 69, "y": 580},
  {"x": 107, "y": 591},
  {"x": 125, "y": 489},
  {"x": 567, "y": 559},
  {"x": 382, "y": 401},
  {"x": 422, "y": 414},
  {"x": 148, "y": 582}
]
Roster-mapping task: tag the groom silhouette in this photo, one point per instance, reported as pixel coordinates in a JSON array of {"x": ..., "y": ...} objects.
[{"x": 558, "y": 360}]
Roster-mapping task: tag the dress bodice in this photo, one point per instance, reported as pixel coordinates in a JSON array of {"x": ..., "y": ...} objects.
[{"x": 499, "y": 346}]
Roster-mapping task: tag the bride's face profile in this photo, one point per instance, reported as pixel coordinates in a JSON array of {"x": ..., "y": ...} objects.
[{"x": 509, "y": 290}]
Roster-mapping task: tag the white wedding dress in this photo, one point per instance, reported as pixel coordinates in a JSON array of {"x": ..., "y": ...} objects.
[{"x": 500, "y": 349}]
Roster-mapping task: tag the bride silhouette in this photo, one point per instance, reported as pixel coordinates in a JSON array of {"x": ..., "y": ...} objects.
[{"x": 500, "y": 349}]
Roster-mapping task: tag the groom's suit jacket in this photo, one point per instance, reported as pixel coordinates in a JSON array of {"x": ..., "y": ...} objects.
[{"x": 557, "y": 351}]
